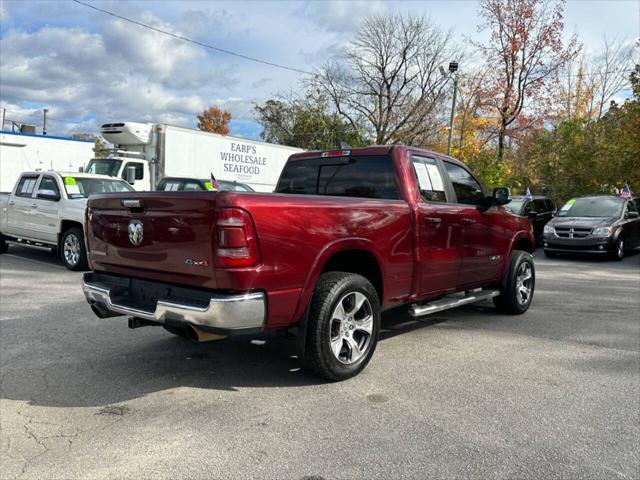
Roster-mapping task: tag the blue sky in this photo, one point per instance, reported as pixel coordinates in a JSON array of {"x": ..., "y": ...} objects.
[{"x": 89, "y": 68}]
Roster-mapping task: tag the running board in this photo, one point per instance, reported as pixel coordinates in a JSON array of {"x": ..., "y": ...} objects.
[
  {"x": 446, "y": 303},
  {"x": 28, "y": 243}
]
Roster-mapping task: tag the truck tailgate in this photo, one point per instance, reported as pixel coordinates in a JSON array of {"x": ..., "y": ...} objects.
[{"x": 153, "y": 232}]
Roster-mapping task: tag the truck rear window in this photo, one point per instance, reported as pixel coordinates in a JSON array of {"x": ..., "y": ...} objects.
[{"x": 368, "y": 177}]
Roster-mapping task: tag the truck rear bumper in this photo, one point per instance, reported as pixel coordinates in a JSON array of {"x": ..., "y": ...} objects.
[{"x": 159, "y": 303}]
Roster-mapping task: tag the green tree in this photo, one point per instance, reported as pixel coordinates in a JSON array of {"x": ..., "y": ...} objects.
[
  {"x": 99, "y": 143},
  {"x": 306, "y": 122}
]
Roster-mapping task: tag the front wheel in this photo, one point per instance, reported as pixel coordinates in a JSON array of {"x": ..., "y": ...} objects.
[
  {"x": 343, "y": 325},
  {"x": 72, "y": 250},
  {"x": 618, "y": 250},
  {"x": 516, "y": 292}
]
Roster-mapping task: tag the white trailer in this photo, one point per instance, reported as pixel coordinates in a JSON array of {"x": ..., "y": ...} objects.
[
  {"x": 21, "y": 152},
  {"x": 158, "y": 150}
]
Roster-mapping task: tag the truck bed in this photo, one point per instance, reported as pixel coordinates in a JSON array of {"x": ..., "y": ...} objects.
[{"x": 294, "y": 234}]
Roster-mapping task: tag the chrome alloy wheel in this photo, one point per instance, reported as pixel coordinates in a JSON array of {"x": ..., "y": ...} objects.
[
  {"x": 71, "y": 249},
  {"x": 524, "y": 283},
  {"x": 620, "y": 249},
  {"x": 351, "y": 328}
]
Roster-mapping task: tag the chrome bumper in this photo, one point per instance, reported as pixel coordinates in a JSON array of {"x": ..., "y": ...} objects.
[{"x": 226, "y": 314}]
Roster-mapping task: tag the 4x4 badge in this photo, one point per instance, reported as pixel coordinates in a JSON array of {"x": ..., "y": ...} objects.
[{"x": 136, "y": 232}]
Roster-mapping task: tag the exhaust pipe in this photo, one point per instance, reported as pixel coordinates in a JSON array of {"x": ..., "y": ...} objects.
[
  {"x": 102, "y": 312},
  {"x": 197, "y": 335}
]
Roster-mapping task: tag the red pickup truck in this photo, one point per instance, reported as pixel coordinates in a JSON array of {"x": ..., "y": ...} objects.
[{"x": 346, "y": 235}]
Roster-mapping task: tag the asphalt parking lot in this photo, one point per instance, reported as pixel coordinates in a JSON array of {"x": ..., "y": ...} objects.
[{"x": 464, "y": 394}]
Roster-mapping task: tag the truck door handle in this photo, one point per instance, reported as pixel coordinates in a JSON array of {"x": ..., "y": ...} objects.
[
  {"x": 468, "y": 221},
  {"x": 433, "y": 220},
  {"x": 33, "y": 205},
  {"x": 12, "y": 202}
]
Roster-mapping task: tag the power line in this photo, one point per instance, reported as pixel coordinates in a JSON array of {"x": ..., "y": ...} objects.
[{"x": 195, "y": 42}]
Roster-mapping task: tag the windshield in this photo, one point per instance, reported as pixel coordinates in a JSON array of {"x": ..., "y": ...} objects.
[
  {"x": 591, "y": 207},
  {"x": 106, "y": 166},
  {"x": 515, "y": 206},
  {"x": 83, "y": 187}
]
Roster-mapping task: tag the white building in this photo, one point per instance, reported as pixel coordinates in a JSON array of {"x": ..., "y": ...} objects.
[{"x": 21, "y": 152}]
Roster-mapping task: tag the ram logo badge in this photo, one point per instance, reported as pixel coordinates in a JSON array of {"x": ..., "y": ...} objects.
[{"x": 136, "y": 232}]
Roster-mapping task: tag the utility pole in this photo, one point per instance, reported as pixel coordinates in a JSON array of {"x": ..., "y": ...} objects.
[
  {"x": 44, "y": 121},
  {"x": 453, "y": 67}
]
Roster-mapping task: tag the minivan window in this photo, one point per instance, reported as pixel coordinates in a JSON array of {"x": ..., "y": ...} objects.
[
  {"x": 368, "y": 177},
  {"x": 467, "y": 189}
]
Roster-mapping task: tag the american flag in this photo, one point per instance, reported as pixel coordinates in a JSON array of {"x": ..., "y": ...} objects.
[
  {"x": 529, "y": 196},
  {"x": 625, "y": 192},
  {"x": 214, "y": 182}
]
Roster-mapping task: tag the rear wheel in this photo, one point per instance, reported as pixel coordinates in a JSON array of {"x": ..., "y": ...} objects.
[
  {"x": 618, "y": 249},
  {"x": 518, "y": 285},
  {"x": 72, "y": 250},
  {"x": 343, "y": 325},
  {"x": 3, "y": 244}
]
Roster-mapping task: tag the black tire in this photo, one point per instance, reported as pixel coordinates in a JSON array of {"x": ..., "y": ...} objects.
[
  {"x": 618, "y": 249},
  {"x": 549, "y": 254},
  {"x": 77, "y": 252},
  {"x": 177, "y": 331},
  {"x": 331, "y": 289},
  {"x": 3, "y": 244},
  {"x": 510, "y": 299}
]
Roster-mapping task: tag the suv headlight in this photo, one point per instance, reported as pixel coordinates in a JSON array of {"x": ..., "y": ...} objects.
[
  {"x": 548, "y": 229},
  {"x": 602, "y": 231}
]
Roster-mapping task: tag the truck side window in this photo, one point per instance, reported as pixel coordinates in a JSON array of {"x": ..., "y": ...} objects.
[
  {"x": 358, "y": 176},
  {"x": 429, "y": 179},
  {"x": 49, "y": 183},
  {"x": 467, "y": 189},
  {"x": 139, "y": 170},
  {"x": 631, "y": 207},
  {"x": 26, "y": 186}
]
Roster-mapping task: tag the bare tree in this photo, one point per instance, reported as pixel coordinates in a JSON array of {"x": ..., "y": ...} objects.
[
  {"x": 611, "y": 71},
  {"x": 387, "y": 80},
  {"x": 525, "y": 50}
]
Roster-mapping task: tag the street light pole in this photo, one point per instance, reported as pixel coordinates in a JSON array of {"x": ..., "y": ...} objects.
[{"x": 453, "y": 67}]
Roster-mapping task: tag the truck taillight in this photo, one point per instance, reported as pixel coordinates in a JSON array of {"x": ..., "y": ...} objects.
[{"x": 236, "y": 244}]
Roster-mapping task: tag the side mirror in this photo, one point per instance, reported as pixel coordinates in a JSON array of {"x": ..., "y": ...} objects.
[
  {"x": 130, "y": 175},
  {"x": 632, "y": 215},
  {"x": 501, "y": 196},
  {"x": 80, "y": 169},
  {"x": 48, "y": 195},
  {"x": 532, "y": 215}
]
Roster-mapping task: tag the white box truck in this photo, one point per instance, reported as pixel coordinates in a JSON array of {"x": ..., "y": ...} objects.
[
  {"x": 20, "y": 152},
  {"x": 157, "y": 151}
]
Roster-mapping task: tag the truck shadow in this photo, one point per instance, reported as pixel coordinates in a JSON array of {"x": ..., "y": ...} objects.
[{"x": 86, "y": 364}]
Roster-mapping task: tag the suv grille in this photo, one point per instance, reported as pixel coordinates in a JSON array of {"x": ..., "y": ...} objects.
[{"x": 572, "y": 232}]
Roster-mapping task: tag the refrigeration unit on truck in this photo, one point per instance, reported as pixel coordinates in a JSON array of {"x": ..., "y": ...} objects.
[
  {"x": 20, "y": 152},
  {"x": 156, "y": 151}
]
